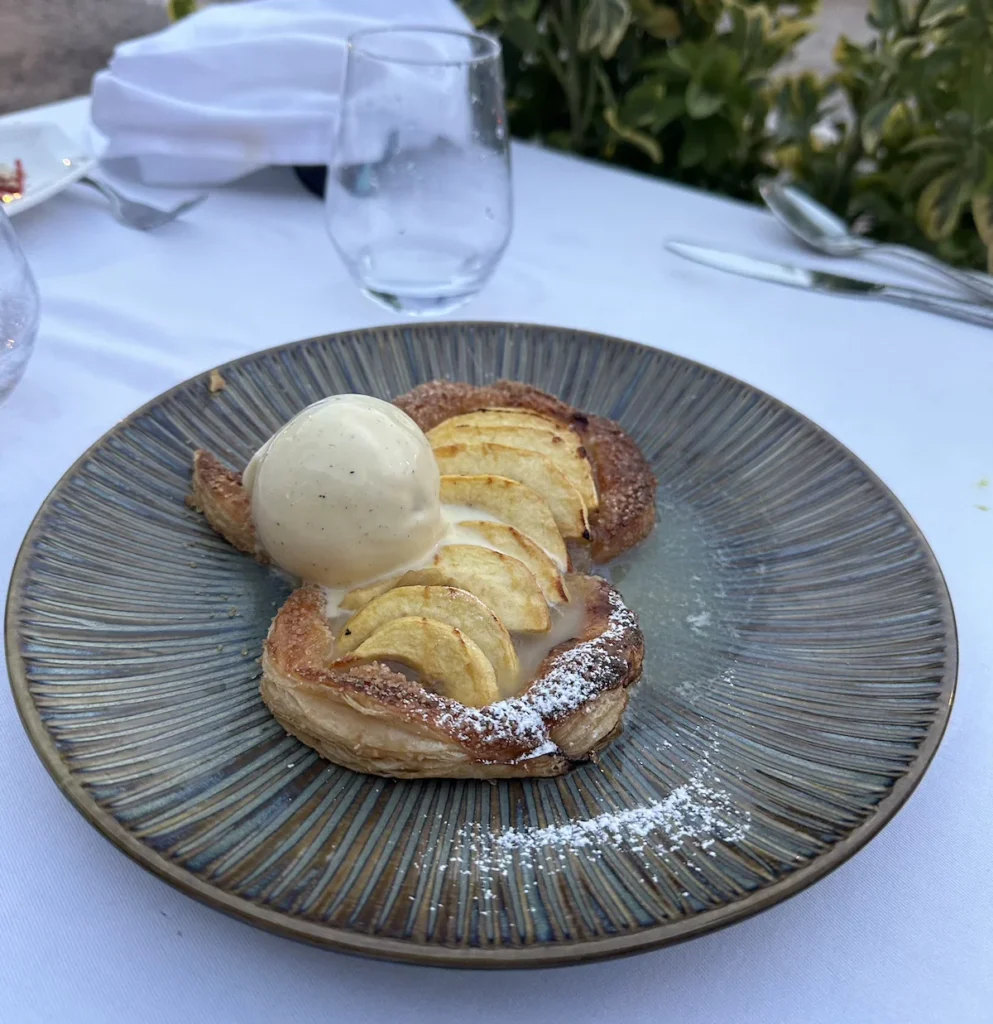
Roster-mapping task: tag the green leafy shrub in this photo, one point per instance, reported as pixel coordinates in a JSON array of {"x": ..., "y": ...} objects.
[
  {"x": 898, "y": 138},
  {"x": 681, "y": 88}
]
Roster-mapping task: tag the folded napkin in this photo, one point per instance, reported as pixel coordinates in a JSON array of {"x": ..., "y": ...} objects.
[{"x": 240, "y": 86}]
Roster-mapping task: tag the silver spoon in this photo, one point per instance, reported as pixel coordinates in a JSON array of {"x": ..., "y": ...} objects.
[
  {"x": 139, "y": 215},
  {"x": 823, "y": 231}
]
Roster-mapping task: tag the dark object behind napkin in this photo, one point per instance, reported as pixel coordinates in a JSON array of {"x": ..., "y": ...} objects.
[{"x": 313, "y": 179}]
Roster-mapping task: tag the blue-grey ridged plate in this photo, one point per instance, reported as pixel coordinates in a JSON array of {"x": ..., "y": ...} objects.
[{"x": 800, "y": 671}]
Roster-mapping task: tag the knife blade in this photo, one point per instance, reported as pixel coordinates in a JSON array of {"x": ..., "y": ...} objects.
[{"x": 832, "y": 284}]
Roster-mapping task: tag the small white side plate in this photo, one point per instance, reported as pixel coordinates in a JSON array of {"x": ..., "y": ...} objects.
[{"x": 51, "y": 160}]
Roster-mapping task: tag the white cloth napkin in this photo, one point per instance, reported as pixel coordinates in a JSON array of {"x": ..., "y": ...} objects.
[{"x": 239, "y": 86}]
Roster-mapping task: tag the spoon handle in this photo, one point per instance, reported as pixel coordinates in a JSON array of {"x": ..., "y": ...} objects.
[
  {"x": 974, "y": 283},
  {"x": 958, "y": 309}
]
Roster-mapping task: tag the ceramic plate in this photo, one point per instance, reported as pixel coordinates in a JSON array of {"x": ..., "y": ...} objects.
[
  {"x": 52, "y": 162},
  {"x": 800, "y": 670}
]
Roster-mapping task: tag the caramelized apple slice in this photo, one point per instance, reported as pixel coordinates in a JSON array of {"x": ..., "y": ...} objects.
[
  {"x": 560, "y": 447},
  {"x": 504, "y": 584},
  {"x": 443, "y": 604},
  {"x": 426, "y": 577},
  {"x": 511, "y": 502},
  {"x": 529, "y": 468},
  {"x": 441, "y": 654},
  {"x": 505, "y": 416},
  {"x": 514, "y": 543}
]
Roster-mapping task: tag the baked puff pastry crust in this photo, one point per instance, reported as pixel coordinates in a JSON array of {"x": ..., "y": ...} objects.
[{"x": 369, "y": 717}]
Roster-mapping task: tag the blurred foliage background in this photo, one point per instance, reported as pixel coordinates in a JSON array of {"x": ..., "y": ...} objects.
[{"x": 897, "y": 138}]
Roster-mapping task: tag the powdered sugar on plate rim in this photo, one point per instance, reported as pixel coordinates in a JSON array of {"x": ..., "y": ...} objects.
[{"x": 699, "y": 814}]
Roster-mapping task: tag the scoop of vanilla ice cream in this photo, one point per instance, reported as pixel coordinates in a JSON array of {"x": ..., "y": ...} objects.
[{"x": 346, "y": 492}]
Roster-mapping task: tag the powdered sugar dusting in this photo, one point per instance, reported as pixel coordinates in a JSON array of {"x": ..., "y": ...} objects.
[
  {"x": 691, "y": 811},
  {"x": 696, "y": 815},
  {"x": 574, "y": 677},
  {"x": 699, "y": 622}
]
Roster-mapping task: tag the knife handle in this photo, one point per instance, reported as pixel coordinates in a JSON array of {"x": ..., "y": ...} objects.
[{"x": 958, "y": 309}]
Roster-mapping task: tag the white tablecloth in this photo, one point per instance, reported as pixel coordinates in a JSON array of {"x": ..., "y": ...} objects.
[{"x": 900, "y": 934}]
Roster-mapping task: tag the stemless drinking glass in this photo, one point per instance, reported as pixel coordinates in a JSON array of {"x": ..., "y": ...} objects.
[
  {"x": 418, "y": 193},
  {"x": 18, "y": 309}
]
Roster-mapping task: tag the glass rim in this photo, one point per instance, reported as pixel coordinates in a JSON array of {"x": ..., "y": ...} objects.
[{"x": 491, "y": 46}]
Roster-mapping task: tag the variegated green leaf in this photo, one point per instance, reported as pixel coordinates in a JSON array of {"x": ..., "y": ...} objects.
[
  {"x": 693, "y": 151},
  {"x": 982, "y": 214},
  {"x": 925, "y": 171},
  {"x": 885, "y": 14},
  {"x": 941, "y": 203},
  {"x": 899, "y": 125},
  {"x": 602, "y": 26},
  {"x": 789, "y": 33},
  {"x": 642, "y": 103},
  {"x": 480, "y": 12},
  {"x": 846, "y": 52},
  {"x": 644, "y": 142},
  {"x": 939, "y": 12},
  {"x": 935, "y": 143},
  {"x": 874, "y": 120},
  {"x": 658, "y": 20},
  {"x": 700, "y": 102}
]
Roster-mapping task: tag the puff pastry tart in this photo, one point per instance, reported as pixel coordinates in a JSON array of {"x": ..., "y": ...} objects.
[{"x": 492, "y": 657}]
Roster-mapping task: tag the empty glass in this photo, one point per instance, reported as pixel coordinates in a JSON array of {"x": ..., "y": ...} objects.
[
  {"x": 418, "y": 193},
  {"x": 19, "y": 306}
]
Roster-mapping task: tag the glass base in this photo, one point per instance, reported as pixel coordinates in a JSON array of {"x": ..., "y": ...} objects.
[
  {"x": 420, "y": 276},
  {"x": 419, "y": 305}
]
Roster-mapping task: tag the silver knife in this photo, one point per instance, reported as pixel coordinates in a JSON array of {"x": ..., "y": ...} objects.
[{"x": 833, "y": 284}]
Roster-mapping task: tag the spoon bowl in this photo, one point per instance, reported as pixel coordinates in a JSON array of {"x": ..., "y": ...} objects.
[
  {"x": 825, "y": 232},
  {"x": 810, "y": 222}
]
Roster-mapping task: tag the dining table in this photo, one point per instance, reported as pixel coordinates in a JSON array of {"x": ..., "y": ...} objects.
[{"x": 899, "y": 934}]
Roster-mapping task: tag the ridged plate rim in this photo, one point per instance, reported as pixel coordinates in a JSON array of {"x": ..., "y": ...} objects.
[{"x": 402, "y": 951}]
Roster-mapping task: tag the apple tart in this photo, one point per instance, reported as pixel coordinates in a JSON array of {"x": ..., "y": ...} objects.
[{"x": 495, "y": 658}]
